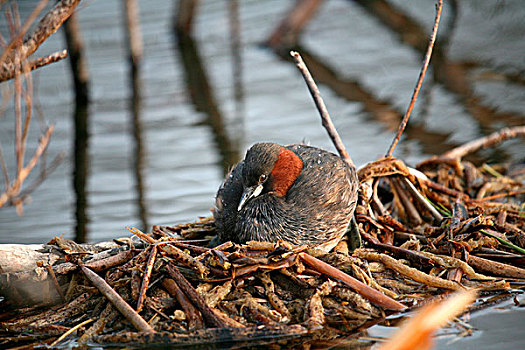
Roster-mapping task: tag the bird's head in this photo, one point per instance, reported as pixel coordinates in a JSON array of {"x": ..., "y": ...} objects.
[{"x": 268, "y": 168}]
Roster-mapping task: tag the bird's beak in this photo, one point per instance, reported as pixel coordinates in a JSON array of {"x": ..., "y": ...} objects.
[{"x": 249, "y": 193}]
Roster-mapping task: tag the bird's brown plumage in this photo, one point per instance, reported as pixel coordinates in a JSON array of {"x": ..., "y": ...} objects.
[{"x": 295, "y": 193}]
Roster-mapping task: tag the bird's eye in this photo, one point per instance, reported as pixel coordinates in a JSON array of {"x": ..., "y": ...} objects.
[{"x": 262, "y": 178}]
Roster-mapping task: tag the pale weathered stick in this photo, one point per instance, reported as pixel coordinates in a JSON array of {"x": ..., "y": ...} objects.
[
  {"x": 428, "y": 54},
  {"x": 117, "y": 301},
  {"x": 325, "y": 117},
  {"x": 484, "y": 142}
]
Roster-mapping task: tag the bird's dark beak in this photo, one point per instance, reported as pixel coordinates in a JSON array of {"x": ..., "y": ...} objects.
[{"x": 249, "y": 193}]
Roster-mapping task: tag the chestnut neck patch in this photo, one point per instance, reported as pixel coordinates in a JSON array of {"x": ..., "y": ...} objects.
[{"x": 285, "y": 171}]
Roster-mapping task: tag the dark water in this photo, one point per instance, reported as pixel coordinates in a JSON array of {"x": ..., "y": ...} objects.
[{"x": 203, "y": 102}]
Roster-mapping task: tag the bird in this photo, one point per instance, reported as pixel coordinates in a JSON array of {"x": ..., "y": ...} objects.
[{"x": 294, "y": 193}]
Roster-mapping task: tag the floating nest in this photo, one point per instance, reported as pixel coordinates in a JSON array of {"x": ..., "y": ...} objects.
[{"x": 419, "y": 235}]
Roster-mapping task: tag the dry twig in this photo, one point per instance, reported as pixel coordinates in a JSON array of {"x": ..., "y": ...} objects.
[
  {"x": 428, "y": 54},
  {"x": 321, "y": 107}
]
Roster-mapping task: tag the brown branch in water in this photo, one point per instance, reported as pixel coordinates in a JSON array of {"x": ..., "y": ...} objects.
[
  {"x": 9, "y": 72},
  {"x": 117, "y": 301},
  {"x": 484, "y": 142},
  {"x": 321, "y": 107},
  {"x": 145, "y": 280},
  {"x": 428, "y": 54},
  {"x": 185, "y": 15}
]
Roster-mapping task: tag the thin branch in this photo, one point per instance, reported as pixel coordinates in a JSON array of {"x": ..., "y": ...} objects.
[
  {"x": 27, "y": 24},
  {"x": 117, "y": 301},
  {"x": 484, "y": 142},
  {"x": 145, "y": 280},
  {"x": 9, "y": 72},
  {"x": 48, "y": 25},
  {"x": 321, "y": 107},
  {"x": 4, "y": 168},
  {"x": 14, "y": 189},
  {"x": 422, "y": 73}
]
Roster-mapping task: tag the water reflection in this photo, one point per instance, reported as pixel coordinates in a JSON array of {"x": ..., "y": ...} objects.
[
  {"x": 138, "y": 154},
  {"x": 81, "y": 171},
  {"x": 238, "y": 89},
  {"x": 81, "y": 125},
  {"x": 454, "y": 76},
  {"x": 204, "y": 101},
  {"x": 379, "y": 110}
]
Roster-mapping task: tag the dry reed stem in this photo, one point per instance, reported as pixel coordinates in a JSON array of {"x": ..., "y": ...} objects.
[
  {"x": 145, "y": 280},
  {"x": 408, "y": 271},
  {"x": 484, "y": 142},
  {"x": 321, "y": 107},
  {"x": 422, "y": 73},
  {"x": 73, "y": 329}
]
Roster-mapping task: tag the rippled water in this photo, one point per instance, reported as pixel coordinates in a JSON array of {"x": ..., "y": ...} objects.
[
  {"x": 371, "y": 74},
  {"x": 366, "y": 69}
]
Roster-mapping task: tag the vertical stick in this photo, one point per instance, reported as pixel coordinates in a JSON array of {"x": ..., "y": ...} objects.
[
  {"x": 422, "y": 73},
  {"x": 321, "y": 107}
]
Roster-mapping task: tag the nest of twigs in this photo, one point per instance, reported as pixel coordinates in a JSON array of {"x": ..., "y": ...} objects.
[{"x": 451, "y": 226}]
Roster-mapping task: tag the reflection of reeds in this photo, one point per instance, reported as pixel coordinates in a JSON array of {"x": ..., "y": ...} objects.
[
  {"x": 203, "y": 99},
  {"x": 80, "y": 75},
  {"x": 135, "y": 50},
  {"x": 454, "y": 76},
  {"x": 14, "y": 64}
]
